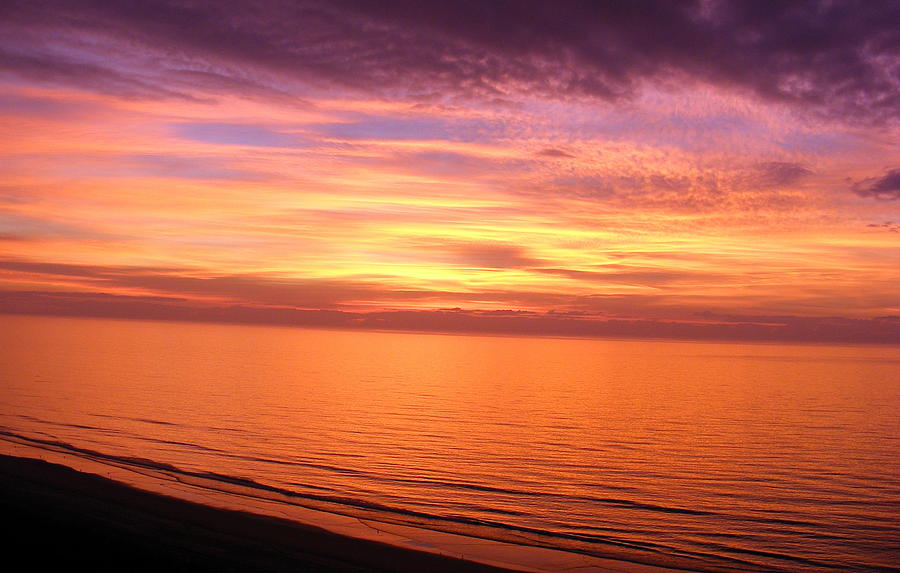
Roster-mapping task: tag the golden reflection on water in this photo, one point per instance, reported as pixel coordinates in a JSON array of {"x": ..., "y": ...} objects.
[{"x": 694, "y": 448}]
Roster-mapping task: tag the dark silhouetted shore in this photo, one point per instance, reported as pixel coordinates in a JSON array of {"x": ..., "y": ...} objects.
[{"x": 62, "y": 518}]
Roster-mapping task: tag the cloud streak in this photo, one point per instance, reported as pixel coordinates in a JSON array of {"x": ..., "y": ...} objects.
[{"x": 709, "y": 327}]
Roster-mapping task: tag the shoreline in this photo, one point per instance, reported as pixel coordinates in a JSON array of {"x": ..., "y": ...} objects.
[{"x": 64, "y": 517}]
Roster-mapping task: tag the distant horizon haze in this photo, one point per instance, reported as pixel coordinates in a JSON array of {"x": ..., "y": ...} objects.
[{"x": 501, "y": 323}]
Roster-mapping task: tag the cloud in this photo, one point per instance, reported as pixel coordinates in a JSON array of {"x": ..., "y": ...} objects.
[
  {"x": 836, "y": 58},
  {"x": 22, "y": 227},
  {"x": 237, "y": 134},
  {"x": 184, "y": 167},
  {"x": 192, "y": 284},
  {"x": 889, "y": 226},
  {"x": 194, "y": 294},
  {"x": 198, "y": 167},
  {"x": 413, "y": 128},
  {"x": 216, "y": 83},
  {"x": 452, "y": 165},
  {"x": 15, "y": 195},
  {"x": 555, "y": 153},
  {"x": 76, "y": 270},
  {"x": 408, "y": 185},
  {"x": 620, "y": 274},
  {"x": 885, "y": 187},
  {"x": 706, "y": 326},
  {"x": 491, "y": 256},
  {"x": 55, "y": 69},
  {"x": 777, "y": 174},
  {"x": 388, "y": 128},
  {"x": 44, "y": 107},
  {"x": 678, "y": 187}
]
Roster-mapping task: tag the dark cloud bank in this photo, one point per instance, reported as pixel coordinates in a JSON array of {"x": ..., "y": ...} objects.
[
  {"x": 883, "y": 330},
  {"x": 267, "y": 300},
  {"x": 884, "y": 187},
  {"x": 837, "y": 58}
]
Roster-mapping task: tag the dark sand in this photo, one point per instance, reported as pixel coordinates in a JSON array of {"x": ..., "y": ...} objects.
[{"x": 60, "y": 518}]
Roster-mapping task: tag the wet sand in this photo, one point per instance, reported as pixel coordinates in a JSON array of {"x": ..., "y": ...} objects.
[{"x": 62, "y": 518}]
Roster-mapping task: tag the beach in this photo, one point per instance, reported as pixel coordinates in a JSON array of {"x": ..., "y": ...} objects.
[
  {"x": 62, "y": 518},
  {"x": 81, "y": 509}
]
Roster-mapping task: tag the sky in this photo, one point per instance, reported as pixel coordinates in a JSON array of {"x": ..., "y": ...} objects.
[{"x": 698, "y": 169}]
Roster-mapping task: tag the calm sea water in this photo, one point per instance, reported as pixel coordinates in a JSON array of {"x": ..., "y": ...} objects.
[{"x": 732, "y": 456}]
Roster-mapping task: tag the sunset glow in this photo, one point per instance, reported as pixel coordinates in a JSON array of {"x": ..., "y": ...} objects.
[{"x": 336, "y": 164}]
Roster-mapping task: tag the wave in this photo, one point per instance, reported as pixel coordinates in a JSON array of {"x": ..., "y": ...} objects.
[
  {"x": 626, "y": 544},
  {"x": 611, "y": 501},
  {"x": 375, "y": 511}
]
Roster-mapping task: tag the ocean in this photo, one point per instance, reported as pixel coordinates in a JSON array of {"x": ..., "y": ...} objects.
[{"x": 706, "y": 456}]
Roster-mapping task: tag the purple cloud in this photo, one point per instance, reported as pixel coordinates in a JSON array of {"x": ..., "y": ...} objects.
[
  {"x": 237, "y": 134},
  {"x": 709, "y": 326},
  {"x": 837, "y": 58},
  {"x": 778, "y": 174},
  {"x": 554, "y": 153},
  {"x": 884, "y": 187},
  {"x": 493, "y": 256},
  {"x": 620, "y": 274}
]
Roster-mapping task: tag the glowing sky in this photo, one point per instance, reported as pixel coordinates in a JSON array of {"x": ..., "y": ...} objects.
[{"x": 561, "y": 167}]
